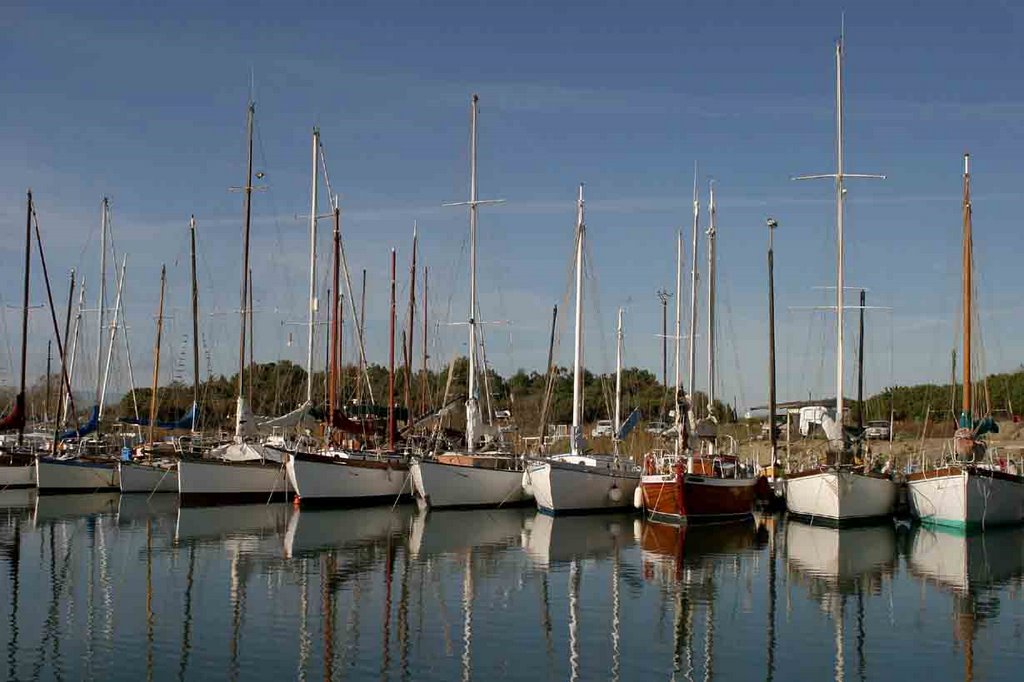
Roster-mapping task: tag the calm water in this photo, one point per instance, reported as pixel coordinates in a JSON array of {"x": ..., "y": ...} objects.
[{"x": 109, "y": 587}]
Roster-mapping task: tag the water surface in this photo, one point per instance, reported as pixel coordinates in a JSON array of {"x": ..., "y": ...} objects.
[{"x": 125, "y": 588}]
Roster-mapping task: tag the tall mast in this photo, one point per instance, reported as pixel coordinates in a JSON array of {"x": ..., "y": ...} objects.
[
  {"x": 577, "y": 358},
  {"x": 618, "y": 378},
  {"x": 391, "y": 361},
  {"x": 839, "y": 177},
  {"x": 860, "y": 364},
  {"x": 691, "y": 380},
  {"x": 424, "y": 384},
  {"x": 156, "y": 353},
  {"x": 359, "y": 332},
  {"x": 712, "y": 234},
  {"x": 968, "y": 283},
  {"x": 311, "y": 332},
  {"x": 840, "y": 252},
  {"x": 195, "y": 326},
  {"x": 472, "y": 403},
  {"x": 412, "y": 326},
  {"x": 20, "y": 400},
  {"x": 335, "y": 342},
  {"x": 243, "y": 306},
  {"x": 772, "y": 224},
  {"x": 677, "y": 339},
  {"x": 102, "y": 298}
]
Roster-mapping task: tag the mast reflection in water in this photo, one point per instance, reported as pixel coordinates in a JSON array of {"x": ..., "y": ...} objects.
[{"x": 108, "y": 587}]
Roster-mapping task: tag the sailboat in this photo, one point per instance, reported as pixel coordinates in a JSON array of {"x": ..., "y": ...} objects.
[
  {"x": 242, "y": 470},
  {"x": 706, "y": 485},
  {"x": 333, "y": 475},
  {"x": 581, "y": 481},
  {"x": 839, "y": 491},
  {"x": 470, "y": 478},
  {"x": 17, "y": 465},
  {"x": 91, "y": 468},
  {"x": 971, "y": 489}
]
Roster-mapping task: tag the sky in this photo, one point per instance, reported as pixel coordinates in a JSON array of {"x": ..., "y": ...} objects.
[{"x": 146, "y": 104}]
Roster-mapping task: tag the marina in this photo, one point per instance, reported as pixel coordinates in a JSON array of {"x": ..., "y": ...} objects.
[{"x": 417, "y": 356}]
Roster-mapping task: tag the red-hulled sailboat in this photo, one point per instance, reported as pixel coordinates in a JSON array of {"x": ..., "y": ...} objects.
[{"x": 702, "y": 485}]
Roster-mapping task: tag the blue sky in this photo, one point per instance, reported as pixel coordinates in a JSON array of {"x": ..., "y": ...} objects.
[{"x": 146, "y": 105}]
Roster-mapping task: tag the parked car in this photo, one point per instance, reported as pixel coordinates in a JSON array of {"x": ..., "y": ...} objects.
[
  {"x": 877, "y": 430},
  {"x": 604, "y": 428},
  {"x": 656, "y": 428}
]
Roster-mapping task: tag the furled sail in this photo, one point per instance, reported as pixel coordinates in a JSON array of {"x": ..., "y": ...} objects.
[
  {"x": 15, "y": 419},
  {"x": 84, "y": 429}
]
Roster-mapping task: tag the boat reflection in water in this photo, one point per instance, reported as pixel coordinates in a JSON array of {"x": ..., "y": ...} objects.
[
  {"x": 686, "y": 562},
  {"x": 971, "y": 567},
  {"x": 837, "y": 564},
  {"x": 311, "y": 531}
]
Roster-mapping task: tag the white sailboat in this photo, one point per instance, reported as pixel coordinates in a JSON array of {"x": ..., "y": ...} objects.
[
  {"x": 470, "y": 478},
  {"x": 580, "y": 481},
  {"x": 80, "y": 472},
  {"x": 331, "y": 475},
  {"x": 838, "y": 491},
  {"x": 243, "y": 470},
  {"x": 971, "y": 489}
]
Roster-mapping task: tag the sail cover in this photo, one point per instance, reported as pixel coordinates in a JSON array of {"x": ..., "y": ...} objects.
[
  {"x": 15, "y": 419},
  {"x": 183, "y": 424},
  {"x": 293, "y": 418},
  {"x": 84, "y": 429},
  {"x": 627, "y": 426}
]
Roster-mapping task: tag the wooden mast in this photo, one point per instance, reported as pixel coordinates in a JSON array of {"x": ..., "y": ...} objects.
[
  {"x": 772, "y": 407},
  {"x": 860, "y": 365},
  {"x": 156, "y": 354},
  {"x": 411, "y": 326},
  {"x": 425, "y": 382},
  {"x": 360, "y": 325},
  {"x": 19, "y": 404},
  {"x": 968, "y": 283},
  {"x": 546, "y": 404},
  {"x": 335, "y": 342},
  {"x": 391, "y": 361},
  {"x": 243, "y": 306},
  {"x": 195, "y": 328}
]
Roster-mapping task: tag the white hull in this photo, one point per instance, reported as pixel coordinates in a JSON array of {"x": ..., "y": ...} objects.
[
  {"x": 66, "y": 476},
  {"x": 439, "y": 485},
  {"x": 342, "y": 481},
  {"x": 965, "y": 499},
  {"x": 840, "y": 496},
  {"x": 147, "y": 478},
  {"x": 213, "y": 482},
  {"x": 565, "y": 487},
  {"x": 18, "y": 476}
]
